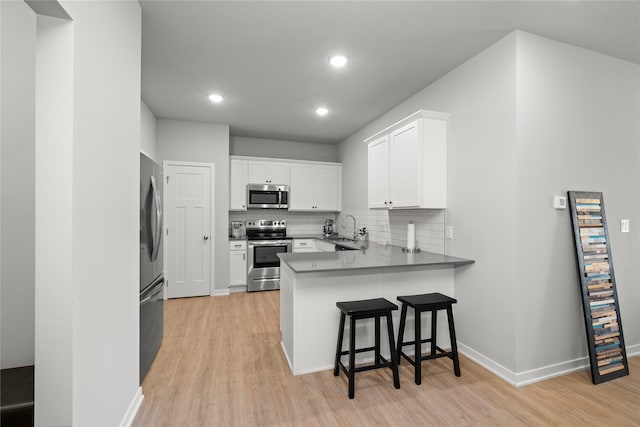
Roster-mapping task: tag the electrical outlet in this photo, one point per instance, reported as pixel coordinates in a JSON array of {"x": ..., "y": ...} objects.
[
  {"x": 624, "y": 225},
  {"x": 449, "y": 232}
]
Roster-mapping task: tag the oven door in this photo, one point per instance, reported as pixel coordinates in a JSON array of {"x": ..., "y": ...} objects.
[{"x": 264, "y": 264}]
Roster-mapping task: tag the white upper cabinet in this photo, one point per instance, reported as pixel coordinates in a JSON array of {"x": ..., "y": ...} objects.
[
  {"x": 408, "y": 163},
  {"x": 238, "y": 185},
  {"x": 379, "y": 173},
  {"x": 315, "y": 187},
  {"x": 269, "y": 173}
]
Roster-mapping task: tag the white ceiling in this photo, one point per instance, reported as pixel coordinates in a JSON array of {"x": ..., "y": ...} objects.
[{"x": 269, "y": 58}]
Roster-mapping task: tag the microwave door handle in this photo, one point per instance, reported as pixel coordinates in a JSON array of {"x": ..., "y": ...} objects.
[{"x": 157, "y": 234}]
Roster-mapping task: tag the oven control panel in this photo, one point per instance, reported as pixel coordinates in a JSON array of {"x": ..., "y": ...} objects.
[{"x": 268, "y": 223}]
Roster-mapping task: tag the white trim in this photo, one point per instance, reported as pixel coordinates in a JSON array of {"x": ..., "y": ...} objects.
[
  {"x": 220, "y": 292},
  {"x": 237, "y": 289},
  {"x": 212, "y": 214},
  {"x": 633, "y": 350},
  {"x": 133, "y": 408},
  {"x": 280, "y": 160},
  {"x": 519, "y": 379},
  {"x": 417, "y": 115}
]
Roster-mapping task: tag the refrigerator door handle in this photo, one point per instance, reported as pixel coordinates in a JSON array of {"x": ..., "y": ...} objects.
[
  {"x": 157, "y": 234},
  {"x": 159, "y": 288}
]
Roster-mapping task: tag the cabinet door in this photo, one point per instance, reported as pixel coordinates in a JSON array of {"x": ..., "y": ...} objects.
[
  {"x": 237, "y": 268},
  {"x": 258, "y": 172},
  {"x": 379, "y": 173},
  {"x": 326, "y": 188},
  {"x": 404, "y": 167},
  {"x": 279, "y": 173},
  {"x": 238, "y": 185},
  {"x": 302, "y": 195},
  {"x": 322, "y": 246}
]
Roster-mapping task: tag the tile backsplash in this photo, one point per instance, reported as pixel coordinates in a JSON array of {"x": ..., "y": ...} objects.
[
  {"x": 391, "y": 226},
  {"x": 383, "y": 226},
  {"x": 297, "y": 222}
]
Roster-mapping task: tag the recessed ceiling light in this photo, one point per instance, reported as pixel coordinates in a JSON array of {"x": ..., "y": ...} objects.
[
  {"x": 322, "y": 111},
  {"x": 338, "y": 61},
  {"x": 215, "y": 98}
]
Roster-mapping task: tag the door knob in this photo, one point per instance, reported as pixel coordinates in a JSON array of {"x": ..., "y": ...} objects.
[{"x": 205, "y": 237}]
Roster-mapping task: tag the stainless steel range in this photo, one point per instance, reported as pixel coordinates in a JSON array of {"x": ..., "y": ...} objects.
[{"x": 265, "y": 240}]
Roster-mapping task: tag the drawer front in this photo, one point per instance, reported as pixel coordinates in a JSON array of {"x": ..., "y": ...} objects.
[
  {"x": 302, "y": 243},
  {"x": 237, "y": 245}
]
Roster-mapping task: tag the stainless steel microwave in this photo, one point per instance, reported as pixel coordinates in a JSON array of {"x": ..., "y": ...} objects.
[{"x": 268, "y": 196}]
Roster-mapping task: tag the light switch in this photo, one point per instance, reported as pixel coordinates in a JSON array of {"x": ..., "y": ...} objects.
[
  {"x": 449, "y": 232},
  {"x": 624, "y": 225},
  {"x": 559, "y": 202}
]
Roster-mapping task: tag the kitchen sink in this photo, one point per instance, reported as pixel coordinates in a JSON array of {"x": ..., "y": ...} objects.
[{"x": 341, "y": 239}]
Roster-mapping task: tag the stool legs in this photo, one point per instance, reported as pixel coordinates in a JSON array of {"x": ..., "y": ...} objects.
[
  {"x": 336, "y": 367},
  {"x": 403, "y": 320},
  {"x": 377, "y": 342},
  {"x": 435, "y": 351},
  {"x": 379, "y": 360},
  {"x": 392, "y": 353},
  {"x": 418, "y": 347},
  {"x": 352, "y": 358},
  {"x": 454, "y": 345}
]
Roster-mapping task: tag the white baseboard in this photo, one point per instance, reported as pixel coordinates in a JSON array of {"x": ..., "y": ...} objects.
[
  {"x": 491, "y": 366},
  {"x": 132, "y": 410},
  {"x": 633, "y": 350},
  {"x": 519, "y": 379},
  {"x": 220, "y": 292},
  {"x": 237, "y": 289}
]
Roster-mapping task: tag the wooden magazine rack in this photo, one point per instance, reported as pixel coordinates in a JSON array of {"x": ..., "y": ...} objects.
[{"x": 603, "y": 325}]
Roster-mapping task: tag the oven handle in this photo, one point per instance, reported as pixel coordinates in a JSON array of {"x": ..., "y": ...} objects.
[
  {"x": 269, "y": 242},
  {"x": 265, "y": 279}
]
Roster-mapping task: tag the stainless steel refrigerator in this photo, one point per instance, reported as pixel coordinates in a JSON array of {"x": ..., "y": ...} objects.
[{"x": 151, "y": 266}]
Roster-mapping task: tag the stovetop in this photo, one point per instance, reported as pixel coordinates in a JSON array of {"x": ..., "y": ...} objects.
[{"x": 266, "y": 229}]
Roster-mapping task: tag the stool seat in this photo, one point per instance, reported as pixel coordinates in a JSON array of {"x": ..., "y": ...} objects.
[
  {"x": 375, "y": 308},
  {"x": 366, "y": 307},
  {"x": 432, "y": 302},
  {"x": 435, "y": 300}
]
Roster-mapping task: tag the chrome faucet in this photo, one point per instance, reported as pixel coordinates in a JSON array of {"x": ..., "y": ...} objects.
[{"x": 355, "y": 234}]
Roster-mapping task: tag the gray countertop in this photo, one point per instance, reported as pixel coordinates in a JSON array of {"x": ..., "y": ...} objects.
[{"x": 371, "y": 257}]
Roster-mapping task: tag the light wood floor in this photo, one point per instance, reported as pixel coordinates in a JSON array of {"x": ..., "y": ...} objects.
[{"x": 221, "y": 365}]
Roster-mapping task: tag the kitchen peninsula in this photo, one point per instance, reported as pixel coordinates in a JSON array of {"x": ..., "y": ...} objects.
[{"x": 312, "y": 283}]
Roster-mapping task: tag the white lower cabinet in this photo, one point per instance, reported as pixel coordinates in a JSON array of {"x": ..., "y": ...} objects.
[
  {"x": 237, "y": 263},
  {"x": 322, "y": 246},
  {"x": 302, "y": 245}
]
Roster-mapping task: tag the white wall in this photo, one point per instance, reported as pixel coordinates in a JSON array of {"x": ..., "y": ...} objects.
[
  {"x": 259, "y": 147},
  {"x": 526, "y": 115},
  {"x": 18, "y": 184},
  {"x": 147, "y": 132},
  {"x": 577, "y": 124},
  {"x": 54, "y": 355},
  {"x": 480, "y": 96},
  {"x": 104, "y": 242},
  {"x": 209, "y": 143}
]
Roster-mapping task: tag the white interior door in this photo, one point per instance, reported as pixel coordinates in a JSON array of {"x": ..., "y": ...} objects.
[{"x": 188, "y": 190}]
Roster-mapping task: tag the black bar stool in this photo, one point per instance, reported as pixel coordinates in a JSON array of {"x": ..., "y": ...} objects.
[
  {"x": 365, "y": 309},
  {"x": 421, "y": 303}
]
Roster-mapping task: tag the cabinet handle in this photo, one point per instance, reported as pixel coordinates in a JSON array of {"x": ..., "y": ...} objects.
[
  {"x": 303, "y": 244},
  {"x": 243, "y": 256}
]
